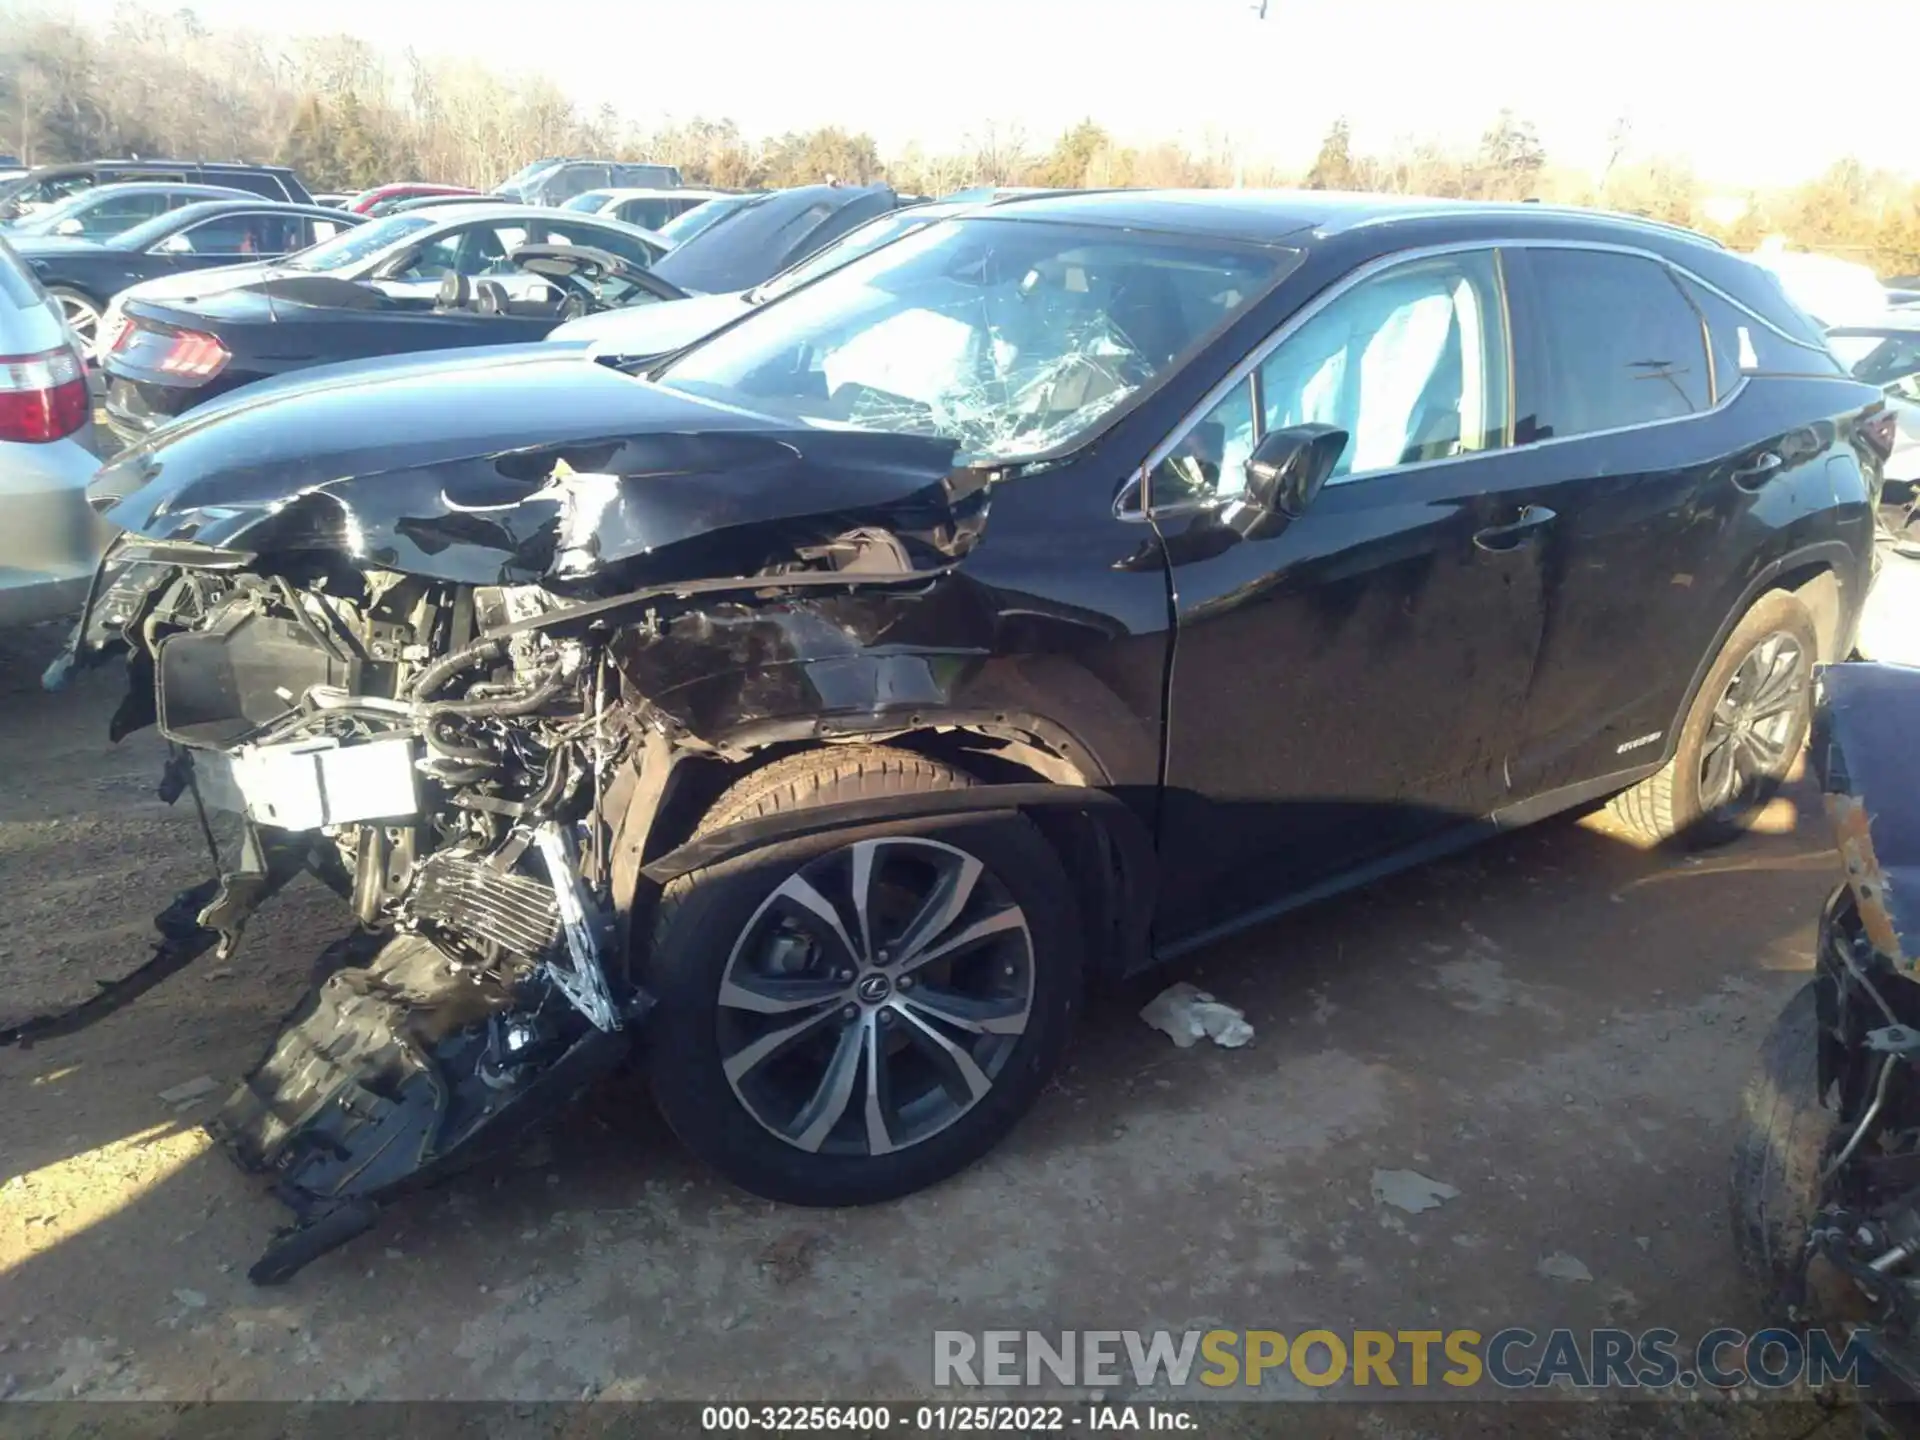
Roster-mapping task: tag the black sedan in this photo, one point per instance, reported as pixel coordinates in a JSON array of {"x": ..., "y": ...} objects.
[
  {"x": 168, "y": 357},
  {"x": 1058, "y": 589},
  {"x": 85, "y": 275}
]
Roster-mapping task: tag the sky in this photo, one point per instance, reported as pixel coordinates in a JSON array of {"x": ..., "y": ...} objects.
[{"x": 1724, "y": 84}]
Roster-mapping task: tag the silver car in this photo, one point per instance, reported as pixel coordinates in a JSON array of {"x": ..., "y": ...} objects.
[{"x": 50, "y": 539}]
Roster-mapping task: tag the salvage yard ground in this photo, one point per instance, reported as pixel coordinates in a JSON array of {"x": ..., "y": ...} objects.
[{"x": 1554, "y": 1027}]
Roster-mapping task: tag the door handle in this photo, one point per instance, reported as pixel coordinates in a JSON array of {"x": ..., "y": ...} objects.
[
  {"x": 1509, "y": 536},
  {"x": 1755, "y": 474}
]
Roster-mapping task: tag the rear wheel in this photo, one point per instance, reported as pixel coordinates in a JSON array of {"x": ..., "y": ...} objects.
[
  {"x": 1741, "y": 736},
  {"x": 81, "y": 314},
  {"x": 850, "y": 1017}
]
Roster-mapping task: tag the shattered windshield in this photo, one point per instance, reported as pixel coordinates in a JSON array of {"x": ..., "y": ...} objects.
[
  {"x": 1008, "y": 337},
  {"x": 844, "y": 251}
]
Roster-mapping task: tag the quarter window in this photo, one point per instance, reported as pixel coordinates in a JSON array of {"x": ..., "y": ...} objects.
[
  {"x": 1412, "y": 364},
  {"x": 1743, "y": 343},
  {"x": 1615, "y": 343}
]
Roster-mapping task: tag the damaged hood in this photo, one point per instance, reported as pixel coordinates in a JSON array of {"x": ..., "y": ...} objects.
[{"x": 517, "y": 469}]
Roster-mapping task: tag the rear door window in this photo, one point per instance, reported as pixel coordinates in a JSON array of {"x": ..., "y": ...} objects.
[
  {"x": 115, "y": 213},
  {"x": 251, "y": 181},
  {"x": 649, "y": 212},
  {"x": 1611, "y": 342},
  {"x": 574, "y": 180},
  {"x": 153, "y": 177},
  {"x": 243, "y": 235}
]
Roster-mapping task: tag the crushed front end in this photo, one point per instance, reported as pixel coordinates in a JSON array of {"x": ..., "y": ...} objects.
[
  {"x": 434, "y": 632},
  {"x": 367, "y": 730}
]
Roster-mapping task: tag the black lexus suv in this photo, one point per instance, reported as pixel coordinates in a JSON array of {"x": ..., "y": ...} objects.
[{"x": 810, "y": 716}]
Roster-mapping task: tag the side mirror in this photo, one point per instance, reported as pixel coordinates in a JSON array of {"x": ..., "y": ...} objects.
[
  {"x": 175, "y": 245},
  {"x": 1284, "y": 473},
  {"x": 68, "y": 227}
]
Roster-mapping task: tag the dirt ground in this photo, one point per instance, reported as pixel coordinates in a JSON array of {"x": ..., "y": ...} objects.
[{"x": 1555, "y": 1026}]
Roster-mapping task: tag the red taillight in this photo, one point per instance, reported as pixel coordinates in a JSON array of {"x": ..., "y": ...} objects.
[
  {"x": 193, "y": 356},
  {"x": 43, "y": 397},
  {"x": 1880, "y": 430}
]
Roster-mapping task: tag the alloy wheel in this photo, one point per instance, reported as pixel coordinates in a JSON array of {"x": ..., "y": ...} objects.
[
  {"x": 82, "y": 319},
  {"x": 875, "y": 996},
  {"x": 1750, "y": 735}
]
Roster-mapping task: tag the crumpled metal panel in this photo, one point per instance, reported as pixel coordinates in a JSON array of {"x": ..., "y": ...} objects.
[{"x": 1866, "y": 751}]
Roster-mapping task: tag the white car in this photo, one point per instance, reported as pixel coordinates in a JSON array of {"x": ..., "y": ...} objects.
[
  {"x": 1831, "y": 290},
  {"x": 412, "y": 253},
  {"x": 649, "y": 209},
  {"x": 52, "y": 538}
]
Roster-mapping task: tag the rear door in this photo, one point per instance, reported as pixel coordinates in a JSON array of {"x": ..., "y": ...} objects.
[
  {"x": 233, "y": 238},
  {"x": 1669, "y": 475}
]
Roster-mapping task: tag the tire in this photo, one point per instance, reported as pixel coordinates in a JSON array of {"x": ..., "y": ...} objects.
[
  {"x": 82, "y": 315},
  {"x": 1672, "y": 803},
  {"x": 735, "y": 927},
  {"x": 1784, "y": 1129}
]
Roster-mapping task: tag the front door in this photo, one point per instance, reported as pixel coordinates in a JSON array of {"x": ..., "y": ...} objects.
[{"x": 1347, "y": 688}]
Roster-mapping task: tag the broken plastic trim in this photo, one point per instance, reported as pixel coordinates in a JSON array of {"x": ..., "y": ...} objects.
[
  {"x": 690, "y": 589},
  {"x": 584, "y": 980}
]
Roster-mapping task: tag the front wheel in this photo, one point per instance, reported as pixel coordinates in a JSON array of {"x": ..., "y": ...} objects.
[
  {"x": 1741, "y": 736},
  {"x": 850, "y": 1017}
]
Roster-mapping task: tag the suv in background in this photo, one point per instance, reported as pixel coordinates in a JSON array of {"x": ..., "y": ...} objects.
[
  {"x": 49, "y": 183},
  {"x": 556, "y": 180}
]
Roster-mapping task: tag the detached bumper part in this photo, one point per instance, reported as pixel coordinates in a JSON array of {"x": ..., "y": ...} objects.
[
  {"x": 392, "y": 1075},
  {"x": 307, "y": 784}
]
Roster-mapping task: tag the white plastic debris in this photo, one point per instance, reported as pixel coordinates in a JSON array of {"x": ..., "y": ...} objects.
[
  {"x": 1558, "y": 1266},
  {"x": 1187, "y": 1016},
  {"x": 190, "y": 1091},
  {"x": 1411, "y": 1191}
]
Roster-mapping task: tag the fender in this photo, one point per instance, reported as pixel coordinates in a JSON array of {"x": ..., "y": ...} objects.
[
  {"x": 1837, "y": 555},
  {"x": 1103, "y": 843}
]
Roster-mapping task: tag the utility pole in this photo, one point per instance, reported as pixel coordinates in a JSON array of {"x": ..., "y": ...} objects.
[{"x": 1259, "y": 8}]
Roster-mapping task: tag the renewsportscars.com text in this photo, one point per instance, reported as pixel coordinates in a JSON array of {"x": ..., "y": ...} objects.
[{"x": 1509, "y": 1359}]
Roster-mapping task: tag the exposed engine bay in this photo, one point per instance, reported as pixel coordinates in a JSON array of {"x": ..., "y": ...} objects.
[
  {"x": 439, "y": 754},
  {"x": 447, "y": 784}
]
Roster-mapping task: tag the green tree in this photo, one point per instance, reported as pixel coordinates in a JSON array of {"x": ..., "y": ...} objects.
[
  {"x": 1509, "y": 161},
  {"x": 1066, "y": 164},
  {"x": 1333, "y": 167}
]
